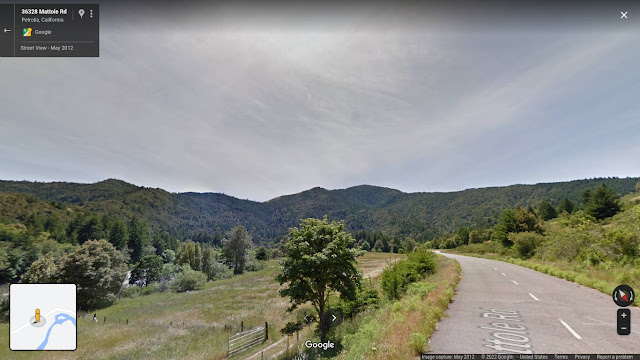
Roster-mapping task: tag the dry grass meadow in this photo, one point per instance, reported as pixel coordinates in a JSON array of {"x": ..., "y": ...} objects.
[{"x": 193, "y": 325}]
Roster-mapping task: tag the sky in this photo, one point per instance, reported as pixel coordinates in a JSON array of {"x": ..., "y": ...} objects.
[{"x": 258, "y": 102}]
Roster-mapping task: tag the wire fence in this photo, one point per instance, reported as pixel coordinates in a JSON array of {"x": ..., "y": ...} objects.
[{"x": 246, "y": 339}]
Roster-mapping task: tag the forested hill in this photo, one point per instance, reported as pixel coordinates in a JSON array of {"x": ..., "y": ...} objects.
[{"x": 421, "y": 215}]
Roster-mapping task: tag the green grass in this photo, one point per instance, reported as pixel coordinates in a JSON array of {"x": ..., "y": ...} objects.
[
  {"x": 401, "y": 329},
  {"x": 192, "y": 325},
  {"x": 177, "y": 325}
]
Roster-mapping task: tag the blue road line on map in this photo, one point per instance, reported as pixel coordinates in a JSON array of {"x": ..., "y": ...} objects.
[{"x": 60, "y": 319}]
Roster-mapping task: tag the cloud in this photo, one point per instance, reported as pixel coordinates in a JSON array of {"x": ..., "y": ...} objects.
[{"x": 260, "y": 112}]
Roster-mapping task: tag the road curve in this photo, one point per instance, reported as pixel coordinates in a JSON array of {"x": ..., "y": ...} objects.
[{"x": 505, "y": 308}]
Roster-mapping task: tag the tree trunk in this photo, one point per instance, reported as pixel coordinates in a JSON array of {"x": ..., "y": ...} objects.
[{"x": 321, "y": 324}]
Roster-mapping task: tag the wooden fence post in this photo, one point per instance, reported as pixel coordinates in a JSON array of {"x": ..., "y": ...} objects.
[
  {"x": 241, "y": 326},
  {"x": 266, "y": 331},
  {"x": 105, "y": 320},
  {"x": 127, "y": 321}
]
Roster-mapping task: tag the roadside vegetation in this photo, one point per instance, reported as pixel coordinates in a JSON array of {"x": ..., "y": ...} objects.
[
  {"x": 595, "y": 243},
  {"x": 375, "y": 321},
  {"x": 402, "y": 306}
]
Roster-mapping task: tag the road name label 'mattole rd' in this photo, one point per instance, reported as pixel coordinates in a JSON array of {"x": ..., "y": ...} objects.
[{"x": 507, "y": 334}]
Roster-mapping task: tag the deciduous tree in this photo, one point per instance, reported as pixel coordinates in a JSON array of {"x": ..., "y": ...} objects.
[
  {"x": 98, "y": 270},
  {"x": 319, "y": 261},
  {"x": 147, "y": 270}
]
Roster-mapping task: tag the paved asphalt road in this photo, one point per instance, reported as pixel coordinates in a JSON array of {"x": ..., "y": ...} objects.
[{"x": 505, "y": 308}]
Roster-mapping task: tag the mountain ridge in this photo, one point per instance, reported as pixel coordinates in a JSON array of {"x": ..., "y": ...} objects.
[{"x": 422, "y": 215}]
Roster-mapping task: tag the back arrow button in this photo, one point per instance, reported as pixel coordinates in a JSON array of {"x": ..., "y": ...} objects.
[{"x": 6, "y": 30}]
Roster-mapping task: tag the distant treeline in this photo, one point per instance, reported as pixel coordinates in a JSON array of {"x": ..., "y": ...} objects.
[{"x": 420, "y": 216}]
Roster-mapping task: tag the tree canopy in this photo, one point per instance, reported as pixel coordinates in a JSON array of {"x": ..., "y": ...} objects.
[
  {"x": 602, "y": 202},
  {"x": 546, "y": 211},
  {"x": 319, "y": 261},
  {"x": 98, "y": 270},
  {"x": 236, "y": 247},
  {"x": 566, "y": 205},
  {"x": 148, "y": 269}
]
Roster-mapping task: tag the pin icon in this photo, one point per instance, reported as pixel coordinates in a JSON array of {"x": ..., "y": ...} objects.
[{"x": 81, "y": 12}]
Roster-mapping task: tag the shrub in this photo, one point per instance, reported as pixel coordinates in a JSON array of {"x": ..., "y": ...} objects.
[
  {"x": 622, "y": 243},
  {"x": 262, "y": 254},
  {"x": 366, "y": 297},
  {"x": 189, "y": 280},
  {"x": 418, "y": 342},
  {"x": 4, "y": 307},
  {"x": 131, "y": 292},
  {"x": 525, "y": 243},
  {"x": 276, "y": 254},
  {"x": 218, "y": 271},
  {"x": 398, "y": 276},
  {"x": 253, "y": 265}
]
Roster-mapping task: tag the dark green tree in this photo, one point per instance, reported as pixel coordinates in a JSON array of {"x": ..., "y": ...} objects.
[
  {"x": 147, "y": 270},
  {"x": 98, "y": 270},
  {"x": 463, "y": 235},
  {"x": 546, "y": 211},
  {"x": 475, "y": 237},
  {"x": 262, "y": 253},
  {"x": 506, "y": 225},
  {"x": 236, "y": 247},
  {"x": 566, "y": 205},
  {"x": 365, "y": 245},
  {"x": 118, "y": 235},
  {"x": 586, "y": 197},
  {"x": 319, "y": 261},
  {"x": 208, "y": 262},
  {"x": 138, "y": 238},
  {"x": 602, "y": 203},
  {"x": 91, "y": 229}
]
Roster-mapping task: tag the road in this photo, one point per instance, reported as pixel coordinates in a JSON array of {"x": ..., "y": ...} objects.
[{"x": 505, "y": 308}]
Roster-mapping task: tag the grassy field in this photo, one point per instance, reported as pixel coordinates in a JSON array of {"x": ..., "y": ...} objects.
[
  {"x": 192, "y": 325},
  {"x": 372, "y": 263}
]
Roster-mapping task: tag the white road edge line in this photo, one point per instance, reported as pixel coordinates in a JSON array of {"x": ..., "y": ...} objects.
[
  {"x": 570, "y": 330},
  {"x": 515, "y": 282},
  {"x": 533, "y": 296},
  {"x": 495, "y": 269},
  {"x": 503, "y": 274}
]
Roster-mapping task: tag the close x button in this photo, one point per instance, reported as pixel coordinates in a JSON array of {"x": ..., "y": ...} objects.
[{"x": 624, "y": 321}]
